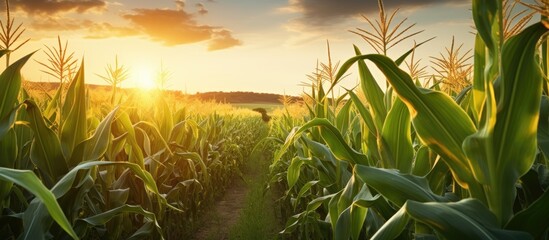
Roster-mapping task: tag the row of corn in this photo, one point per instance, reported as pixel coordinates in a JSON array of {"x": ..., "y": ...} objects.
[{"x": 71, "y": 170}]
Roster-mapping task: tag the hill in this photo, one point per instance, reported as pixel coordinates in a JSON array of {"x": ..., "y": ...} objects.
[{"x": 223, "y": 97}]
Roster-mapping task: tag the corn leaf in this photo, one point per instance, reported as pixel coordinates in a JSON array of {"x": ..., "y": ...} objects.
[
  {"x": 135, "y": 153},
  {"x": 93, "y": 148},
  {"x": 393, "y": 227},
  {"x": 104, "y": 217},
  {"x": 45, "y": 150},
  {"x": 6, "y": 123},
  {"x": 397, "y": 187},
  {"x": 37, "y": 221},
  {"x": 28, "y": 180},
  {"x": 504, "y": 149},
  {"x": 8, "y": 156},
  {"x": 396, "y": 138},
  {"x": 293, "y": 171},
  {"x": 74, "y": 128},
  {"x": 486, "y": 14},
  {"x": 333, "y": 138},
  {"x": 439, "y": 122},
  {"x": 10, "y": 80},
  {"x": 543, "y": 126},
  {"x": 466, "y": 219},
  {"x": 372, "y": 92},
  {"x": 532, "y": 219},
  {"x": 478, "y": 77}
]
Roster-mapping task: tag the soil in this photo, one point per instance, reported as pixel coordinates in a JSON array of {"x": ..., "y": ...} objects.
[{"x": 225, "y": 213}]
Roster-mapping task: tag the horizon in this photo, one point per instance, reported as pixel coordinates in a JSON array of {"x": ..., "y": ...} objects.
[{"x": 206, "y": 46}]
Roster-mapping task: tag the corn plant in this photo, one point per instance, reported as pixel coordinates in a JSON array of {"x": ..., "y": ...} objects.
[
  {"x": 114, "y": 75},
  {"x": 10, "y": 35}
]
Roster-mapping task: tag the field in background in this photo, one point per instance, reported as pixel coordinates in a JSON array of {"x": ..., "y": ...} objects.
[{"x": 270, "y": 107}]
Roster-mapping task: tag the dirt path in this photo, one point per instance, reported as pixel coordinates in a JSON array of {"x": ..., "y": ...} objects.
[{"x": 225, "y": 213}]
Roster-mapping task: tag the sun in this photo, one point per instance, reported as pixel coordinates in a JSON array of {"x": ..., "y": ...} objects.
[{"x": 145, "y": 79}]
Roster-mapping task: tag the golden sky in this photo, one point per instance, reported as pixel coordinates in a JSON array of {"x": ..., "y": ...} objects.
[{"x": 224, "y": 45}]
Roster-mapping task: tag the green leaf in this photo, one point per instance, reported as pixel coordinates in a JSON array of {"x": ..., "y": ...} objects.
[
  {"x": 28, "y": 180},
  {"x": 543, "y": 126},
  {"x": 486, "y": 13},
  {"x": 396, "y": 138},
  {"x": 424, "y": 161},
  {"x": 35, "y": 219},
  {"x": 45, "y": 150},
  {"x": 478, "y": 76},
  {"x": 393, "y": 227},
  {"x": 466, "y": 219},
  {"x": 439, "y": 122},
  {"x": 10, "y": 80},
  {"x": 104, "y": 217},
  {"x": 8, "y": 156},
  {"x": 52, "y": 105},
  {"x": 74, "y": 127},
  {"x": 93, "y": 148},
  {"x": 532, "y": 219},
  {"x": 294, "y": 170},
  {"x": 135, "y": 153},
  {"x": 164, "y": 118},
  {"x": 504, "y": 148},
  {"x": 395, "y": 186},
  {"x": 342, "y": 230},
  {"x": 6, "y": 123},
  {"x": 364, "y": 113},
  {"x": 333, "y": 138},
  {"x": 373, "y": 93}
]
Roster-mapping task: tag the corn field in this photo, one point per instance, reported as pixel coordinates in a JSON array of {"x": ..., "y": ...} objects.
[
  {"x": 424, "y": 161},
  {"x": 462, "y": 154},
  {"x": 71, "y": 170}
]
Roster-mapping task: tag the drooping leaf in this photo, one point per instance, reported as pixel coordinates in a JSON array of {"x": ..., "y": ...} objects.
[
  {"x": 333, "y": 138},
  {"x": 28, "y": 180},
  {"x": 397, "y": 187},
  {"x": 466, "y": 219},
  {"x": 104, "y": 217},
  {"x": 439, "y": 122}
]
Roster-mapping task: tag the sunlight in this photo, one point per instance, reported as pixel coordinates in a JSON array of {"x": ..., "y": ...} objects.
[{"x": 144, "y": 79}]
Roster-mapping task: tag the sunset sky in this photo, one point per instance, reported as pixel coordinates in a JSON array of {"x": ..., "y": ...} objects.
[{"x": 224, "y": 45}]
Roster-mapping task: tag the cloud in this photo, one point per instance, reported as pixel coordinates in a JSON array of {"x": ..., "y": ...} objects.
[
  {"x": 327, "y": 12},
  {"x": 175, "y": 27},
  {"x": 201, "y": 9},
  {"x": 93, "y": 29},
  {"x": 223, "y": 39},
  {"x": 49, "y": 7},
  {"x": 107, "y": 30}
]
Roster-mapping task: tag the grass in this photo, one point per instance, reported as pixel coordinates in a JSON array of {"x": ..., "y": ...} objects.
[{"x": 257, "y": 220}]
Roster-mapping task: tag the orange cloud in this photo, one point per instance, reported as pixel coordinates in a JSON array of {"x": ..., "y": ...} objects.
[
  {"x": 223, "y": 39},
  {"x": 175, "y": 27},
  {"x": 107, "y": 30}
]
